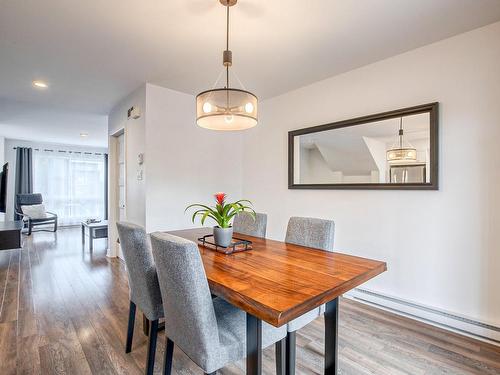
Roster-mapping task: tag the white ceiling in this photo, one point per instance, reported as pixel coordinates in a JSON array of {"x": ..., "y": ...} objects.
[
  {"x": 38, "y": 122},
  {"x": 93, "y": 53}
]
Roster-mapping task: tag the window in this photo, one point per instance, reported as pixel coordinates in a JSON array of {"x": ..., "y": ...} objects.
[{"x": 72, "y": 184}]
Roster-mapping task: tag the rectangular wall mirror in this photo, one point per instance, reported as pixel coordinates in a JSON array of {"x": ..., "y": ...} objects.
[{"x": 391, "y": 150}]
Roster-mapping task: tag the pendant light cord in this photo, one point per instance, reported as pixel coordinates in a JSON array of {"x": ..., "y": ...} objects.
[
  {"x": 227, "y": 42},
  {"x": 401, "y": 133}
]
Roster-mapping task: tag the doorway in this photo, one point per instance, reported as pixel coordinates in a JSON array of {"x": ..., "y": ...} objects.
[{"x": 117, "y": 188}]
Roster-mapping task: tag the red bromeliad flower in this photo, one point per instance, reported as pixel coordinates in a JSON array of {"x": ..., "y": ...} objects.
[{"x": 220, "y": 198}]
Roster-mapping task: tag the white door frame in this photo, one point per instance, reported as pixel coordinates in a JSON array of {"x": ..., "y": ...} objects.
[{"x": 113, "y": 190}]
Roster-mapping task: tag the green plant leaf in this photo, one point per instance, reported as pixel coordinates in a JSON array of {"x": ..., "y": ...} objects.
[
  {"x": 244, "y": 200},
  {"x": 197, "y": 205},
  {"x": 196, "y": 213},
  {"x": 220, "y": 208},
  {"x": 227, "y": 208},
  {"x": 204, "y": 217}
]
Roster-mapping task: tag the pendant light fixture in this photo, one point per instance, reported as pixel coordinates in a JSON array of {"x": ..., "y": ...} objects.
[
  {"x": 401, "y": 151},
  {"x": 226, "y": 108}
]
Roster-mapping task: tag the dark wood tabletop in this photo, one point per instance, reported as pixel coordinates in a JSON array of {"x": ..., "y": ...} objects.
[{"x": 276, "y": 281}]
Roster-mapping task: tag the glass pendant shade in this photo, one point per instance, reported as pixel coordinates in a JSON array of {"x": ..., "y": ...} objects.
[
  {"x": 226, "y": 109},
  {"x": 401, "y": 155}
]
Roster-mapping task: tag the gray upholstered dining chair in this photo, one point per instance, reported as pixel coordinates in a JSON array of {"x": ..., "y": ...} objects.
[
  {"x": 211, "y": 332},
  {"x": 318, "y": 234},
  {"x": 244, "y": 223},
  {"x": 143, "y": 282}
]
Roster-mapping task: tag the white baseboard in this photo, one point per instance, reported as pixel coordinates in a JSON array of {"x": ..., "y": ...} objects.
[{"x": 452, "y": 322}]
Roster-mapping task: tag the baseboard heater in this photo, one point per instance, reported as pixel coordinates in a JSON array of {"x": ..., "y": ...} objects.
[{"x": 470, "y": 327}]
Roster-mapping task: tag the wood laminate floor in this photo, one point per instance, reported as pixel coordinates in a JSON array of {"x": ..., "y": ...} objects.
[{"x": 64, "y": 311}]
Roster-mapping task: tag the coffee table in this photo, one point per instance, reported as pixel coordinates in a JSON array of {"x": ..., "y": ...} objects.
[{"x": 95, "y": 231}]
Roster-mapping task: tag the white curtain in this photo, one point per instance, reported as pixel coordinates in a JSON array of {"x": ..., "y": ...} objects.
[{"x": 71, "y": 183}]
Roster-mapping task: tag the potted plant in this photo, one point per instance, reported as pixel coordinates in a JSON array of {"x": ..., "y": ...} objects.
[{"x": 222, "y": 213}]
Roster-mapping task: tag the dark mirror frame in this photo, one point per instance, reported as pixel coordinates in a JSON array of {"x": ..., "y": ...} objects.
[{"x": 432, "y": 108}]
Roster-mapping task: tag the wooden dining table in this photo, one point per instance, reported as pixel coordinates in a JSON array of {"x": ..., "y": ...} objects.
[{"x": 277, "y": 282}]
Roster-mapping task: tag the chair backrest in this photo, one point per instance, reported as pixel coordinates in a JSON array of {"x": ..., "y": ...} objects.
[
  {"x": 311, "y": 232},
  {"x": 143, "y": 280},
  {"x": 245, "y": 224},
  {"x": 190, "y": 320},
  {"x": 27, "y": 200}
]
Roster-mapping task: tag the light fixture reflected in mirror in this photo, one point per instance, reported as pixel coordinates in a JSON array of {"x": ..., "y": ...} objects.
[
  {"x": 401, "y": 151},
  {"x": 40, "y": 84}
]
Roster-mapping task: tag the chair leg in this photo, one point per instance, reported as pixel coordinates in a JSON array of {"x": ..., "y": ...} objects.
[
  {"x": 167, "y": 360},
  {"x": 130, "y": 329},
  {"x": 290, "y": 353},
  {"x": 153, "y": 334},
  {"x": 145, "y": 325},
  {"x": 30, "y": 226},
  {"x": 280, "y": 357}
]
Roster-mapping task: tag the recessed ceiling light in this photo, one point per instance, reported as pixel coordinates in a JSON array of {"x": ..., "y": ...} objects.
[
  {"x": 40, "y": 84},
  {"x": 83, "y": 135}
]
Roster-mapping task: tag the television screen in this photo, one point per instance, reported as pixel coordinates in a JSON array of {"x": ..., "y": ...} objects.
[{"x": 3, "y": 187}]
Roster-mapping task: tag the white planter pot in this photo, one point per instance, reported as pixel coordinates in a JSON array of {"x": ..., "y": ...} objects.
[{"x": 223, "y": 236}]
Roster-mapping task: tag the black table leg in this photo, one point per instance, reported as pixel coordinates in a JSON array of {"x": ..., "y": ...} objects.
[
  {"x": 280, "y": 357},
  {"x": 254, "y": 345},
  {"x": 83, "y": 234},
  {"x": 291, "y": 347},
  {"x": 153, "y": 335},
  {"x": 130, "y": 329},
  {"x": 331, "y": 337},
  {"x": 169, "y": 353}
]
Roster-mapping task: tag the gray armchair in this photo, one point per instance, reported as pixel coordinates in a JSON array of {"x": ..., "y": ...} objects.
[{"x": 31, "y": 200}]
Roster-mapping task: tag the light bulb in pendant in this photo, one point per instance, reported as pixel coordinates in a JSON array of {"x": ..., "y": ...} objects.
[
  {"x": 249, "y": 108},
  {"x": 207, "y": 107},
  {"x": 228, "y": 119}
]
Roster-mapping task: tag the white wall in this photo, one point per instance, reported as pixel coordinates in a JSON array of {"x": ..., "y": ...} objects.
[
  {"x": 184, "y": 163},
  {"x": 315, "y": 170},
  {"x": 2, "y": 150},
  {"x": 10, "y": 157},
  {"x": 378, "y": 151},
  {"x": 442, "y": 247}
]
